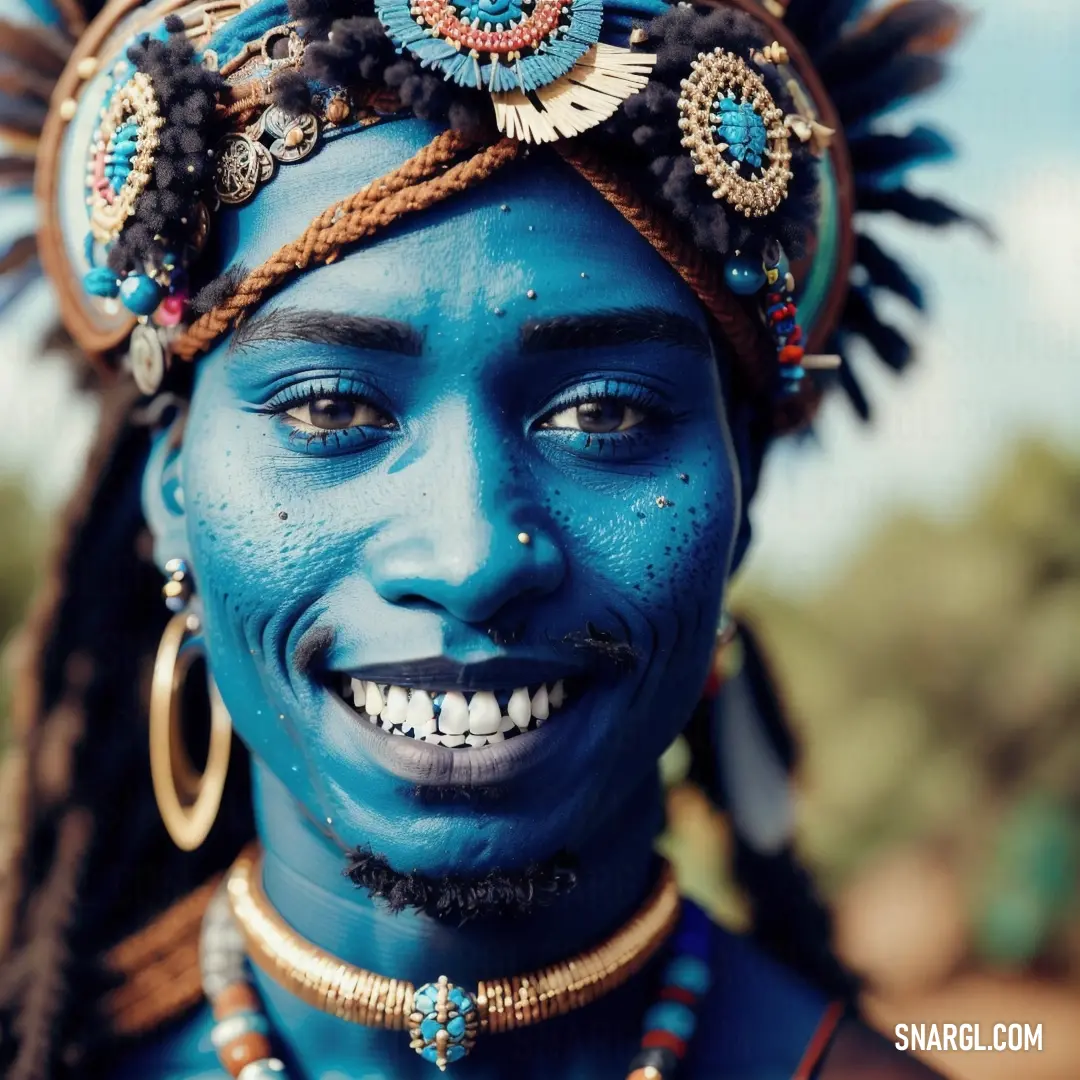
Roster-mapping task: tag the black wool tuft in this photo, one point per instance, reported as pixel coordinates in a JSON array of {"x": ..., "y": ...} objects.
[
  {"x": 291, "y": 91},
  {"x": 220, "y": 289},
  {"x": 456, "y": 899},
  {"x": 183, "y": 167}
]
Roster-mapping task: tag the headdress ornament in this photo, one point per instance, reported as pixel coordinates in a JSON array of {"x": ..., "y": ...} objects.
[{"x": 737, "y": 136}]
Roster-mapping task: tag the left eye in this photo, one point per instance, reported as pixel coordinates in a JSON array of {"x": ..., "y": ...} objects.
[
  {"x": 596, "y": 417},
  {"x": 338, "y": 414}
]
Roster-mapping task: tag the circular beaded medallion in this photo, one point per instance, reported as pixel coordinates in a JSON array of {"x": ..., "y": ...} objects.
[
  {"x": 495, "y": 45},
  {"x": 735, "y": 133},
  {"x": 443, "y": 1023},
  {"x": 122, "y": 156}
]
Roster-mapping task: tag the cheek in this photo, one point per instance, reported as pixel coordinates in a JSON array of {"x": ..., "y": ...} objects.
[
  {"x": 659, "y": 540},
  {"x": 257, "y": 534}
]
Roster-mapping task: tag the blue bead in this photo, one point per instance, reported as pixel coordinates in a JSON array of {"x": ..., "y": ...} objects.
[
  {"x": 424, "y": 1000},
  {"x": 689, "y": 973},
  {"x": 671, "y": 1016},
  {"x": 792, "y": 372},
  {"x": 430, "y": 1053},
  {"x": 140, "y": 294},
  {"x": 429, "y": 1028},
  {"x": 744, "y": 275},
  {"x": 101, "y": 281},
  {"x": 455, "y": 1053},
  {"x": 456, "y": 1027}
]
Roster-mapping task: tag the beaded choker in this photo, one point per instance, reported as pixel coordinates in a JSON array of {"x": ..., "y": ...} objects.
[{"x": 443, "y": 1020}]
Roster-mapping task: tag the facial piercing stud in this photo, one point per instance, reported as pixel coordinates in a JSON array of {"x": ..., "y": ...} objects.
[{"x": 524, "y": 538}]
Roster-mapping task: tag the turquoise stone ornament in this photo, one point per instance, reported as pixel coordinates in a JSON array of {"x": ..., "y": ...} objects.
[
  {"x": 101, "y": 281},
  {"x": 443, "y": 1023},
  {"x": 740, "y": 125},
  {"x": 744, "y": 275},
  {"x": 140, "y": 294}
]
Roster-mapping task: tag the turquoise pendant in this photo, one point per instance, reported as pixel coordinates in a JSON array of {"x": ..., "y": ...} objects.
[{"x": 443, "y": 1023}]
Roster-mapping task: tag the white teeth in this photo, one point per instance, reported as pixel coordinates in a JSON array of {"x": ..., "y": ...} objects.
[
  {"x": 454, "y": 717},
  {"x": 465, "y": 718},
  {"x": 484, "y": 715},
  {"x": 373, "y": 700},
  {"x": 519, "y": 709},
  {"x": 397, "y": 704},
  {"x": 420, "y": 714},
  {"x": 540, "y": 703},
  {"x": 557, "y": 695}
]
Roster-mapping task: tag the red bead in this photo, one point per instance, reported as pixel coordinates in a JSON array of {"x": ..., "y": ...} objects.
[
  {"x": 679, "y": 994},
  {"x": 791, "y": 354},
  {"x": 664, "y": 1040}
]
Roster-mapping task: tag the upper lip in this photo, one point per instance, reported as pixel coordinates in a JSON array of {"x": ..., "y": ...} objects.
[{"x": 495, "y": 673}]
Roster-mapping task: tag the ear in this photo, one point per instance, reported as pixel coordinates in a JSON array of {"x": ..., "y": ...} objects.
[
  {"x": 163, "y": 494},
  {"x": 750, "y": 440}
]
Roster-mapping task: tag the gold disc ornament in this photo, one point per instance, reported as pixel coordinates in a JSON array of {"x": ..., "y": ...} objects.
[{"x": 735, "y": 133}]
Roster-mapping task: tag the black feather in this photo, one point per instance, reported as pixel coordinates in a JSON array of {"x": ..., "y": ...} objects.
[
  {"x": 904, "y": 77},
  {"x": 921, "y": 209},
  {"x": 856, "y": 56},
  {"x": 852, "y": 389},
  {"x": 817, "y": 23},
  {"x": 885, "y": 272},
  {"x": 881, "y": 160},
  {"x": 860, "y": 318}
]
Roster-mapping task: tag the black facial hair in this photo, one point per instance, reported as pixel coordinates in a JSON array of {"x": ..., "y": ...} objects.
[{"x": 455, "y": 898}]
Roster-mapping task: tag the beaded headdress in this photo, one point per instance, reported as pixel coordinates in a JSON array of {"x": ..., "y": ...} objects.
[{"x": 740, "y": 137}]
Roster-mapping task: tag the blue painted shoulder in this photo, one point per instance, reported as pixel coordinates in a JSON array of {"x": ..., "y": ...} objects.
[
  {"x": 181, "y": 1051},
  {"x": 760, "y": 1021}
]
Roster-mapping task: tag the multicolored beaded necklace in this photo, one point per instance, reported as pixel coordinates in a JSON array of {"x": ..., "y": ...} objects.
[{"x": 443, "y": 1020}]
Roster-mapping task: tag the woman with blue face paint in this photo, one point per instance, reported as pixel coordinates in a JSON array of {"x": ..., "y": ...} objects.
[{"x": 456, "y": 335}]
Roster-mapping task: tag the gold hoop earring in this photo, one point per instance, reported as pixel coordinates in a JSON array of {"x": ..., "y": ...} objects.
[{"x": 187, "y": 800}]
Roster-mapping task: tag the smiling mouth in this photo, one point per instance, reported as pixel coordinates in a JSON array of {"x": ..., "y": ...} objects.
[{"x": 455, "y": 718}]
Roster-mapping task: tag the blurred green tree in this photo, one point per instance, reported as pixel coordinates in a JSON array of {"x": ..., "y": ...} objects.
[{"x": 936, "y": 686}]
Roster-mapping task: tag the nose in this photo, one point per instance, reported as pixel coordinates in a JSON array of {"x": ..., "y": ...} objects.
[{"x": 471, "y": 538}]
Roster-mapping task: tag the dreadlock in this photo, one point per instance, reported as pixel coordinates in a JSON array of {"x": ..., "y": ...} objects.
[{"x": 86, "y": 858}]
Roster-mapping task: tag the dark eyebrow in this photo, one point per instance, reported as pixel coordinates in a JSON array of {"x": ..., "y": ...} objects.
[
  {"x": 323, "y": 328},
  {"x": 636, "y": 326}
]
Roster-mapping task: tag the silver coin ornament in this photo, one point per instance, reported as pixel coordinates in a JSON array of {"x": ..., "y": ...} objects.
[{"x": 146, "y": 359}]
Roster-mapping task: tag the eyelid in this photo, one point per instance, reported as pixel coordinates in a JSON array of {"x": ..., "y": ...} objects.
[
  {"x": 298, "y": 392},
  {"x": 635, "y": 394}
]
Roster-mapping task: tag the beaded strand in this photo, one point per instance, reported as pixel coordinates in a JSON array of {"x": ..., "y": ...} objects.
[{"x": 670, "y": 1022}]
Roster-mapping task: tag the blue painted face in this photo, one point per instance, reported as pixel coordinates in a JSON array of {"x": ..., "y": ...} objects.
[{"x": 482, "y": 454}]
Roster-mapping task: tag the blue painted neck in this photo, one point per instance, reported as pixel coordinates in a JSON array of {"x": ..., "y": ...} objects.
[{"x": 304, "y": 879}]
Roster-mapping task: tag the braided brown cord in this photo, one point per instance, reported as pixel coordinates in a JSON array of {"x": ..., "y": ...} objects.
[
  {"x": 750, "y": 347},
  {"x": 416, "y": 185}
]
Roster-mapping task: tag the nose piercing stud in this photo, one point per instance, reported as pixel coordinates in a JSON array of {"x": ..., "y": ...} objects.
[{"x": 524, "y": 538}]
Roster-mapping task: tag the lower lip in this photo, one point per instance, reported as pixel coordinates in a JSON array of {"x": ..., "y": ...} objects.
[{"x": 431, "y": 765}]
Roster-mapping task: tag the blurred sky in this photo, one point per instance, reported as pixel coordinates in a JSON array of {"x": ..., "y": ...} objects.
[{"x": 998, "y": 359}]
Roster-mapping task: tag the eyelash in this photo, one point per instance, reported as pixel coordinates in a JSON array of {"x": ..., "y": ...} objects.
[{"x": 292, "y": 397}]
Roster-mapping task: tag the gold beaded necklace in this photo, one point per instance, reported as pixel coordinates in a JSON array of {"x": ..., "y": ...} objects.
[{"x": 442, "y": 1019}]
